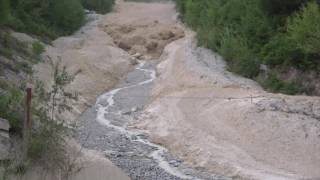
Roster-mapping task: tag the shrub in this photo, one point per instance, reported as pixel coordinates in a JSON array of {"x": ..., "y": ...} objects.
[
  {"x": 282, "y": 7},
  {"x": 281, "y": 50},
  {"x": 180, "y": 5},
  {"x": 304, "y": 29},
  {"x": 66, "y": 15},
  {"x": 239, "y": 56},
  {"x": 100, "y": 6},
  {"x": 11, "y": 108},
  {"x": 46, "y": 18},
  {"x": 4, "y": 11},
  {"x": 274, "y": 84},
  {"x": 47, "y": 144},
  {"x": 37, "y": 49},
  {"x": 248, "y": 33}
]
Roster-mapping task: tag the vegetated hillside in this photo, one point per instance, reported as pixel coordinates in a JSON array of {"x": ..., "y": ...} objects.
[
  {"x": 38, "y": 21},
  {"x": 48, "y": 18},
  {"x": 274, "y": 42},
  {"x": 45, "y": 19}
]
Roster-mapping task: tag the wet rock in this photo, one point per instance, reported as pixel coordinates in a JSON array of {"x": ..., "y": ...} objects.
[
  {"x": 175, "y": 163},
  {"x": 134, "y": 138},
  {"x": 142, "y": 136},
  {"x": 135, "y": 109}
]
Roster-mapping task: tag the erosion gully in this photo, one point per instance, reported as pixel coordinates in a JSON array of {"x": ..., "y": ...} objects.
[{"x": 103, "y": 127}]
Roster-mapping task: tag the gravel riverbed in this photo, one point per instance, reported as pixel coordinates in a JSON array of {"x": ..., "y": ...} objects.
[{"x": 103, "y": 128}]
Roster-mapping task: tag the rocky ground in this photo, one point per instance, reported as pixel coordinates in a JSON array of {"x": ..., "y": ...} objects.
[{"x": 129, "y": 148}]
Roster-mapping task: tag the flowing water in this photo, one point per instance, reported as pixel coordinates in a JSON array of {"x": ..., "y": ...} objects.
[{"x": 104, "y": 128}]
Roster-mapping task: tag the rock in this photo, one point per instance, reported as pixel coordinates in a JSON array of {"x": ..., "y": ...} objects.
[
  {"x": 166, "y": 35},
  {"x": 137, "y": 55},
  {"x": 137, "y": 40},
  {"x": 264, "y": 68},
  {"x": 174, "y": 163},
  {"x": 133, "y": 61},
  {"x": 4, "y": 139},
  {"x": 135, "y": 109},
  {"x": 151, "y": 46},
  {"x": 128, "y": 112},
  {"x": 4, "y": 125},
  {"x": 142, "y": 136},
  {"x": 22, "y": 37},
  {"x": 123, "y": 45},
  {"x": 134, "y": 138}
]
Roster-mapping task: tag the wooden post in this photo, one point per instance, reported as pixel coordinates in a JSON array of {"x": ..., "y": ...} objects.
[
  {"x": 27, "y": 121},
  {"x": 28, "y": 107}
]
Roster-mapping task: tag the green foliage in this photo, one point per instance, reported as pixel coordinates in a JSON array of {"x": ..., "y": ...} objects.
[
  {"x": 100, "y": 6},
  {"x": 280, "y": 50},
  {"x": 234, "y": 28},
  {"x": 37, "y": 49},
  {"x": 274, "y": 84},
  {"x": 304, "y": 29},
  {"x": 248, "y": 33},
  {"x": 4, "y": 11},
  {"x": 47, "y": 143},
  {"x": 46, "y": 18},
  {"x": 6, "y": 52},
  {"x": 49, "y": 18},
  {"x": 237, "y": 52},
  {"x": 282, "y": 7},
  {"x": 11, "y": 105},
  {"x": 181, "y": 7},
  {"x": 66, "y": 15}
]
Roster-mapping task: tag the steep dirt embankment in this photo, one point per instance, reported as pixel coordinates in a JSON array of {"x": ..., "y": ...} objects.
[
  {"x": 100, "y": 65},
  {"x": 90, "y": 53},
  {"x": 228, "y": 124}
]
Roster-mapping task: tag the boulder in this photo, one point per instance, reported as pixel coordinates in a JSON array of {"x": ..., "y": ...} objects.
[{"x": 4, "y": 139}]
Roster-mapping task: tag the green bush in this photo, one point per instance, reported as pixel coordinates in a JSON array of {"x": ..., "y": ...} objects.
[
  {"x": 282, "y": 7},
  {"x": 100, "y": 6},
  {"x": 66, "y": 15},
  {"x": 37, "y": 49},
  {"x": 304, "y": 29},
  {"x": 4, "y": 11},
  {"x": 47, "y": 145},
  {"x": 248, "y": 33},
  {"x": 238, "y": 55},
  {"x": 11, "y": 106},
  {"x": 46, "y": 18},
  {"x": 281, "y": 50},
  {"x": 274, "y": 84}
]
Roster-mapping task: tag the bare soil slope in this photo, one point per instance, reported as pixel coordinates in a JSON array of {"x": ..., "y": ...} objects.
[
  {"x": 228, "y": 124},
  {"x": 143, "y": 29},
  {"x": 91, "y": 53}
]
